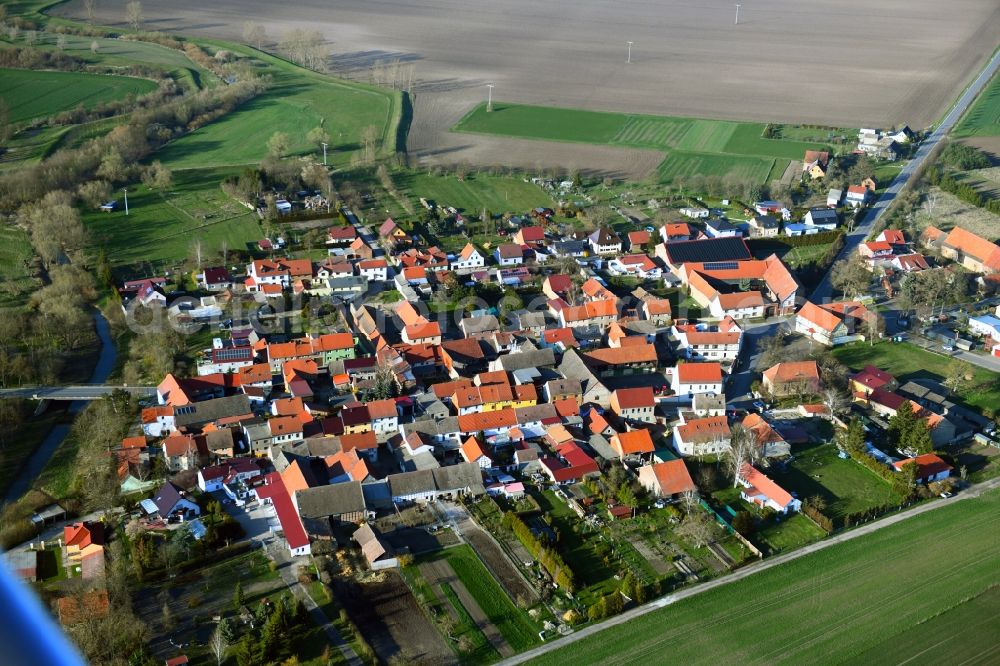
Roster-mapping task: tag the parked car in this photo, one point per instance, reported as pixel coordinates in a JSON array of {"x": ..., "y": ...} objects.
[{"x": 948, "y": 347}]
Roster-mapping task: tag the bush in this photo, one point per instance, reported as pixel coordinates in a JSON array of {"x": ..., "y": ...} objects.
[{"x": 548, "y": 557}]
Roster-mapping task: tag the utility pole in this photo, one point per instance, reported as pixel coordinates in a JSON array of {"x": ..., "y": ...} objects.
[
  {"x": 737, "y": 15},
  {"x": 629, "y": 52},
  {"x": 324, "y": 154},
  {"x": 125, "y": 190},
  {"x": 489, "y": 100}
]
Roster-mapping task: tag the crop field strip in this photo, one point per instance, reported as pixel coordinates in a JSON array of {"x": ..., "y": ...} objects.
[
  {"x": 796, "y": 613},
  {"x": 983, "y": 117},
  {"x": 692, "y": 145},
  {"x": 33, "y": 94}
]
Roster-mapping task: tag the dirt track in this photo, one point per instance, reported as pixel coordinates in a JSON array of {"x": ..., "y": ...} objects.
[
  {"x": 439, "y": 572},
  {"x": 836, "y": 62}
]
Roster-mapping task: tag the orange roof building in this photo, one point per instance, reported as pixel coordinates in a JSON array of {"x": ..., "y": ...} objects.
[
  {"x": 633, "y": 442},
  {"x": 792, "y": 378},
  {"x": 667, "y": 479}
]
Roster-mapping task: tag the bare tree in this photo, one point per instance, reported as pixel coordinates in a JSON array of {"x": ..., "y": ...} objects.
[
  {"x": 90, "y": 9},
  {"x": 834, "y": 400},
  {"x": 133, "y": 14},
  {"x": 698, "y": 528},
  {"x": 851, "y": 277},
  {"x": 254, "y": 34},
  {"x": 743, "y": 450},
  {"x": 61, "y": 42},
  {"x": 369, "y": 137},
  {"x": 95, "y": 46},
  {"x": 12, "y": 32},
  {"x": 218, "y": 645},
  {"x": 196, "y": 252},
  {"x": 30, "y": 36}
]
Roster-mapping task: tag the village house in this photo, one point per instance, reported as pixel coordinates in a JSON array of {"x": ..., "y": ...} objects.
[
  {"x": 604, "y": 242},
  {"x": 702, "y": 436},
  {"x": 469, "y": 259},
  {"x": 760, "y": 490},
  {"x": 472, "y": 452},
  {"x": 764, "y": 226},
  {"x": 638, "y": 265},
  {"x": 930, "y": 468},
  {"x": 973, "y": 252},
  {"x": 691, "y": 378},
  {"x": 702, "y": 343},
  {"x": 677, "y": 231},
  {"x": 741, "y": 289},
  {"x": 815, "y": 163},
  {"x": 373, "y": 270},
  {"x": 833, "y": 324},
  {"x": 792, "y": 378},
  {"x": 857, "y": 195},
  {"x": 215, "y": 279},
  {"x": 632, "y": 443},
  {"x": 509, "y": 254},
  {"x": 529, "y": 236},
  {"x": 667, "y": 480},
  {"x": 634, "y": 404}
]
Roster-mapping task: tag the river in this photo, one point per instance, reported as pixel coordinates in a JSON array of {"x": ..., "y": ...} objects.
[{"x": 40, "y": 458}]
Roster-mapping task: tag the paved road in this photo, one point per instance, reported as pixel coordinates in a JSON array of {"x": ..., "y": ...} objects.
[
  {"x": 739, "y": 574},
  {"x": 738, "y": 386},
  {"x": 74, "y": 393},
  {"x": 824, "y": 291}
]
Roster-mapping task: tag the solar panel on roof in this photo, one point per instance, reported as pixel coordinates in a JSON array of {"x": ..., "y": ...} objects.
[
  {"x": 722, "y": 265},
  {"x": 234, "y": 354},
  {"x": 730, "y": 248}
]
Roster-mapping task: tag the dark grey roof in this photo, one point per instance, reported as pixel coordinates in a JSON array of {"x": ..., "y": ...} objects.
[
  {"x": 729, "y": 248},
  {"x": 464, "y": 476},
  {"x": 335, "y": 499},
  {"x": 434, "y": 426},
  {"x": 200, "y": 413},
  {"x": 527, "y": 359},
  {"x": 411, "y": 483},
  {"x": 766, "y": 222},
  {"x": 605, "y": 236},
  {"x": 824, "y": 215},
  {"x": 220, "y": 439},
  {"x": 560, "y": 386},
  {"x": 573, "y": 367},
  {"x": 166, "y": 498},
  {"x": 531, "y": 319},
  {"x": 535, "y": 412},
  {"x": 480, "y": 324}
]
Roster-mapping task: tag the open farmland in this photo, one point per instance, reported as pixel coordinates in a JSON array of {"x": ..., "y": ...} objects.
[
  {"x": 845, "y": 600},
  {"x": 983, "y": 117},
  {"x": 160, "y": 228},
  {"x": 474, "y": 192},
  {"x": 905, "y": 63},
  {"x": 31, "y": 94},
  {"x": 296, "y": 101}
]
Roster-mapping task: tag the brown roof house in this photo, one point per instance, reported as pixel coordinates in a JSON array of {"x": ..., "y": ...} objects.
[{"x": 377, "y": 551}]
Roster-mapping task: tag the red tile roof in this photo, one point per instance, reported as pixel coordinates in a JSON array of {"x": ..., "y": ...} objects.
[
  {"x": 699, "y": 373},
  {"x": 274, "y": 489},
  {"x": 672, "y": 477},
  {"x": 633, "y": 441},
  {"x": 631, "y": 398},
  {"x": 709, "y": 428}
]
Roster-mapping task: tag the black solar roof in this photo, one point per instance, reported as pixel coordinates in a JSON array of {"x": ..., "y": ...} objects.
[{"x": 713, "y": 249}]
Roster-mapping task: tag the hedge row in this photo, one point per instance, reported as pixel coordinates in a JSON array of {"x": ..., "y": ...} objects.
[{"x": 549, "y": 558}]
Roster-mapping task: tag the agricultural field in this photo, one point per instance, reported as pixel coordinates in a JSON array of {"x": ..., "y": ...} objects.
[
  {"x": 846, "y": 486},
  {"x": 498, "y": 194},
  {"x": 31, "y": 94},
  {"x": 16, "y": 256},
  {"x": 297, "y": 101},
  {"x": 460, "y": 576},
  {"x": 846, "y": 600},
  {"x": 906, "y": 362},
  {"x": 983, "y": 117},
  {"x": 123, "y": 53},
  {"x": 693, "y": 146},
  {"x": 160, "y": 228}
]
